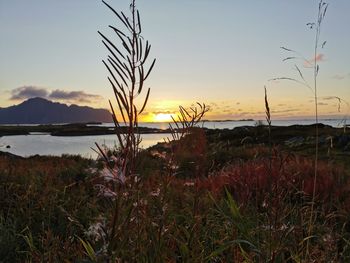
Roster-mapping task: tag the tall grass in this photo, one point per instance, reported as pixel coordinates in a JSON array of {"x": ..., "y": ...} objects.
[
  {"x": 313, "y": 64},
  {"x": 127, "y": 66}
]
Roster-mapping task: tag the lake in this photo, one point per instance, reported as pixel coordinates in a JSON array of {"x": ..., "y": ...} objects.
[{"x": 45, "y": 144}]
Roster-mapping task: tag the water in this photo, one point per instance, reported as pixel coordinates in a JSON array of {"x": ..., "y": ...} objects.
[
  {"x": 234, "y": 124},
  {"x": 45, "y": 144}
]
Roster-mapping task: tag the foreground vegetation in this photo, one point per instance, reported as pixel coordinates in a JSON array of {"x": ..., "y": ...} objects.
[
  {"x": 252, "y": 194},
  {"x": 216, "y": 199}
]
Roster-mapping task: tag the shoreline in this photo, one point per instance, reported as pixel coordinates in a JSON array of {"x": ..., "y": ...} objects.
[
  {"x": 296, "y": 137},
  {"x": 70, "y": 130}
]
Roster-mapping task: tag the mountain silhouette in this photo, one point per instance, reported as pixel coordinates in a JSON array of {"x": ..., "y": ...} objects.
[{"x": 42, "y": 111}]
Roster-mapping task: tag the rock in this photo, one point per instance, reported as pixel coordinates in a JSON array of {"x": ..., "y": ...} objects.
[{"x": 8, "y": 147}]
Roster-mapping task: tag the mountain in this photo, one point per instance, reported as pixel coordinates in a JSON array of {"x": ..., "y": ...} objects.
[{"x": 42, "y": 111}]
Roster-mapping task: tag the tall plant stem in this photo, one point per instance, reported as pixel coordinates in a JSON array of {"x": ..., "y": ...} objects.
[{"x": 316, "y": 69}]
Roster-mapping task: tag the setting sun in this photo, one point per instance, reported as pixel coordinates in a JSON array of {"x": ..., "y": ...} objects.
[{"x": 162, "y": 117}]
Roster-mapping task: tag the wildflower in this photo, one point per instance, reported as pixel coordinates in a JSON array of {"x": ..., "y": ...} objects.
[
  {"x": 112, "y": 175},
  {"x": 136, "y": 179},
  {"x": 105, "y": 191},
  {"x": 107, "y": 175},
  {"x": 174, "y": 167},
  {"x": 96, "y": 231},
  {"x": 141, "y": 202},
  {"x": 189, "y": 184},
  {"x": 155, "y": 193},
  {"x": 164, "y": 208},
  {"x": 161, "y": 155},
  {"x": 91, "y": 170}
]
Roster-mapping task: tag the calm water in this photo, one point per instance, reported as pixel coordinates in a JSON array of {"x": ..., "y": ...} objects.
[
  {"x": 233, "y": 124},
  {"x": 44, "y": 144}
]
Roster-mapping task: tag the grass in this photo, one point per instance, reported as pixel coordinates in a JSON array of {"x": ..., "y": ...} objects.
[
  {"x": 187, "y": 218},
  {"x": 242, "y": 195},
  {"x": 45, "y": 205}
]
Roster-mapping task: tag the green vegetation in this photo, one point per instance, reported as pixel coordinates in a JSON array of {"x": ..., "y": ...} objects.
[{"x": 209, "y": 204}]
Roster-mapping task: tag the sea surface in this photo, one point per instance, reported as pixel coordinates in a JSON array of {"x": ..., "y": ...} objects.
[
  {"x": 45, "y": 144},
  {"x": 233, "y": 124}
]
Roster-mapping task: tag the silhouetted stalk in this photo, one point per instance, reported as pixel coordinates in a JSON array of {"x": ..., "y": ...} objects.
[
  {"x": 322, "y": 9},
  {"x": 268, "y": 119},
  {"x": 126, "y": 66},
  {"x": 321, "y": 13},
  {"x": 187, "y": 119}
]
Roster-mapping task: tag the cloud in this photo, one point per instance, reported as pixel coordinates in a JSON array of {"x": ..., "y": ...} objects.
[
  {"x": 285, "y": 111},
  {"x": 318, "y": 58},
  {"x": 78, "y": 96},
  {"x": 162, "y": 112},
  {"x": 27, "y": 92},
  {"x": 338, "y": 77},
  {"x": 341, "y": 76}
]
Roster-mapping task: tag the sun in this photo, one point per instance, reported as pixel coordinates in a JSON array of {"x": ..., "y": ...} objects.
[{"x": 162, "y": 117}]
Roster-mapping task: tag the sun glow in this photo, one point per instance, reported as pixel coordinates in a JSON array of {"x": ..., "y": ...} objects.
[{"x": 162, "y": 117}]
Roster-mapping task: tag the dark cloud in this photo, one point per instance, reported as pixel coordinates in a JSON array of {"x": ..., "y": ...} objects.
[
  {"x": 285, "y": 111},
  {"x": 27, "y": 92},
  {"x": 78, "y": 96}
]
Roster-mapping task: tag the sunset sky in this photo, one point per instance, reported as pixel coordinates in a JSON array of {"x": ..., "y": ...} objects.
[{"x": 220, "y": 52}]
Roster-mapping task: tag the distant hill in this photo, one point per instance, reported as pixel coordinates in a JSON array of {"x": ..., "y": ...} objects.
[{"x": 42, "y": 111}]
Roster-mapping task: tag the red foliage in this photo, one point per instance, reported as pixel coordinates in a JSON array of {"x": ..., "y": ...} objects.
[{"x": 253, "y": 180}]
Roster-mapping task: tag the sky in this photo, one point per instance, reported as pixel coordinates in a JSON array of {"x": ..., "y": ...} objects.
[{"x": 220, "y": 52}]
